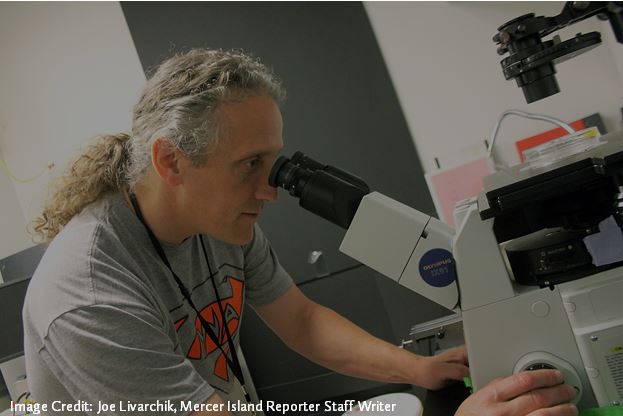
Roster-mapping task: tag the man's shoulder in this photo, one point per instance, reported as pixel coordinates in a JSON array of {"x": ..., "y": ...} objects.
[
  {"x": 89, "y": 231},
  {"x": 86, "y": 262}
]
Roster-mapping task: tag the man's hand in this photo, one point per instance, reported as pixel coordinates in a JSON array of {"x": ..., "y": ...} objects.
[
  {"x": 440, "y": 370},
  {"x": 529, "y": 393}
]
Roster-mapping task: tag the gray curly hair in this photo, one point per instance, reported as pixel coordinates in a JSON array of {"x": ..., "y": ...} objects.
[{"x": 178, "y": 103}]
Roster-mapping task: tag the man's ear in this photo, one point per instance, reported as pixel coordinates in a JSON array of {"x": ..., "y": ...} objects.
[{"x": 167, "y": 161}]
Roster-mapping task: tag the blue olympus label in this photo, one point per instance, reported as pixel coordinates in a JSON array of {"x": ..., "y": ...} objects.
[{"x": 437, "y": 267}]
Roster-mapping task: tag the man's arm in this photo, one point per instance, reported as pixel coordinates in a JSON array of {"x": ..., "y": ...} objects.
[{"x": 332, "y": 341}]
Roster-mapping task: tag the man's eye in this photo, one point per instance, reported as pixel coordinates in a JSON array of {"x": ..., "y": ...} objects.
[{"x": 252, "y": 164}]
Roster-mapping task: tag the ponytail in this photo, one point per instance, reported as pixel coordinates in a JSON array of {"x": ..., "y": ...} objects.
[{"x": 100, "y": 169}]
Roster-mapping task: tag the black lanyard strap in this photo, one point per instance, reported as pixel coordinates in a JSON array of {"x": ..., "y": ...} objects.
[{"x": 234, "y": 362}]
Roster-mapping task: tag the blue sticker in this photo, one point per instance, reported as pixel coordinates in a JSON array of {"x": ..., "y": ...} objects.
[{"x": 437, "y": 267}]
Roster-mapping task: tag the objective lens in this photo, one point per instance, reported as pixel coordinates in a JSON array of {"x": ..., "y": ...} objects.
[{"x": 538, "y": 83}]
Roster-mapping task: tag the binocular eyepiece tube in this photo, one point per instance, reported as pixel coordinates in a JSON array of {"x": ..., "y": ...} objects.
[{"x": 329, "y": 192}]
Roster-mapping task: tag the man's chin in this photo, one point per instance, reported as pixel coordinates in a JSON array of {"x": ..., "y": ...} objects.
[
  {"x": 244, "y": 240},
  {"x": 239, "y": 234},
  {"x": 239, "y": 238}
]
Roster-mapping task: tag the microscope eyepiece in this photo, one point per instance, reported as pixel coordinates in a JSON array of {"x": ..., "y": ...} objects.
[
  {"x": 288, "y": 175},
  {"x": 324, "y": 190}
]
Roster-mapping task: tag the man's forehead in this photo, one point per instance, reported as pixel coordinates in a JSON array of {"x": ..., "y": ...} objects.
[
  {"x": 249, "y": 127},
  {"x": 239, "y": 148}
]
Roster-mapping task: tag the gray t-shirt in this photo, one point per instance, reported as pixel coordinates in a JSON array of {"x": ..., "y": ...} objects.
[{"x": 105, "y": 321}]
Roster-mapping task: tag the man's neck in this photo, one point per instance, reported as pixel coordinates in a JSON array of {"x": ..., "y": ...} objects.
[{"x": 162, "y": 214}]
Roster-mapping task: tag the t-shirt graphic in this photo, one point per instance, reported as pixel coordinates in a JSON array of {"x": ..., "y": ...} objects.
[{"x": 202, "y": 345}]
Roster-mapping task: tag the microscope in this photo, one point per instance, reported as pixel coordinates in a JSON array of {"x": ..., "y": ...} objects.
[{"x": 535, "y": 266}]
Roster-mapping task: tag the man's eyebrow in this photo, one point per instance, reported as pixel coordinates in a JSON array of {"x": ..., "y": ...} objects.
[{"x": 249, "y": 155}]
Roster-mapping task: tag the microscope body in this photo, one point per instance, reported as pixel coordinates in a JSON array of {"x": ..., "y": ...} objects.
[
  {"x": 518, "y": 270},
  {"x": 535, "y": 267},
  {"x": 554, "y": 249},
  {"x": 515, "y": 328},
  {"x": 405, "y": 245}
]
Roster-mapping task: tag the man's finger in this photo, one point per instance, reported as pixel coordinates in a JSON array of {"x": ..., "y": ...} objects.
[
  {"x": 543, "y": 398},
  {"x": 560, "y": 410},
  {"x": 455, "y": 355},
  {"x": 520, "y": 383},
  {"x": 456, "y": 371}
]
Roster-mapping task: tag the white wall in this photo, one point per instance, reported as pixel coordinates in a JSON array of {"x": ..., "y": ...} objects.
[
  {"x": 69, "y": 72},
  {"x": 447, "y": 75},
  {"x": 12, "y": 223}
]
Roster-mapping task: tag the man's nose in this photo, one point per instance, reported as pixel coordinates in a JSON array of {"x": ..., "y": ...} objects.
[{"x": 267, "y": 193}]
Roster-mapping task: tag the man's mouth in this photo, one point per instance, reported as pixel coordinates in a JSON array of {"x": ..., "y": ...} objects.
[{"x": 253, "y": 212}]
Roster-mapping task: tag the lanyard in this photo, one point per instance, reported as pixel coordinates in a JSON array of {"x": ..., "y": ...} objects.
[{"x": 234, "y": 362}]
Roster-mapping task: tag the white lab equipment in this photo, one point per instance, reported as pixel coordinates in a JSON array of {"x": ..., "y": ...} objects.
[{"x": 526, "y": 268}]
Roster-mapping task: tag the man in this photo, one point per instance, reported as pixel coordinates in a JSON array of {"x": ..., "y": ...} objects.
[{"x": 155, "y": 249}]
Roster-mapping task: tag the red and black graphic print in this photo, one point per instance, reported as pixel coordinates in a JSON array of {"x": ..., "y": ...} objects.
[{"x": 202, "y": 345}]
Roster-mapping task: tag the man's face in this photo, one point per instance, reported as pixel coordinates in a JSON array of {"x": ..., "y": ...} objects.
[{"x": 226, "y": 194}]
